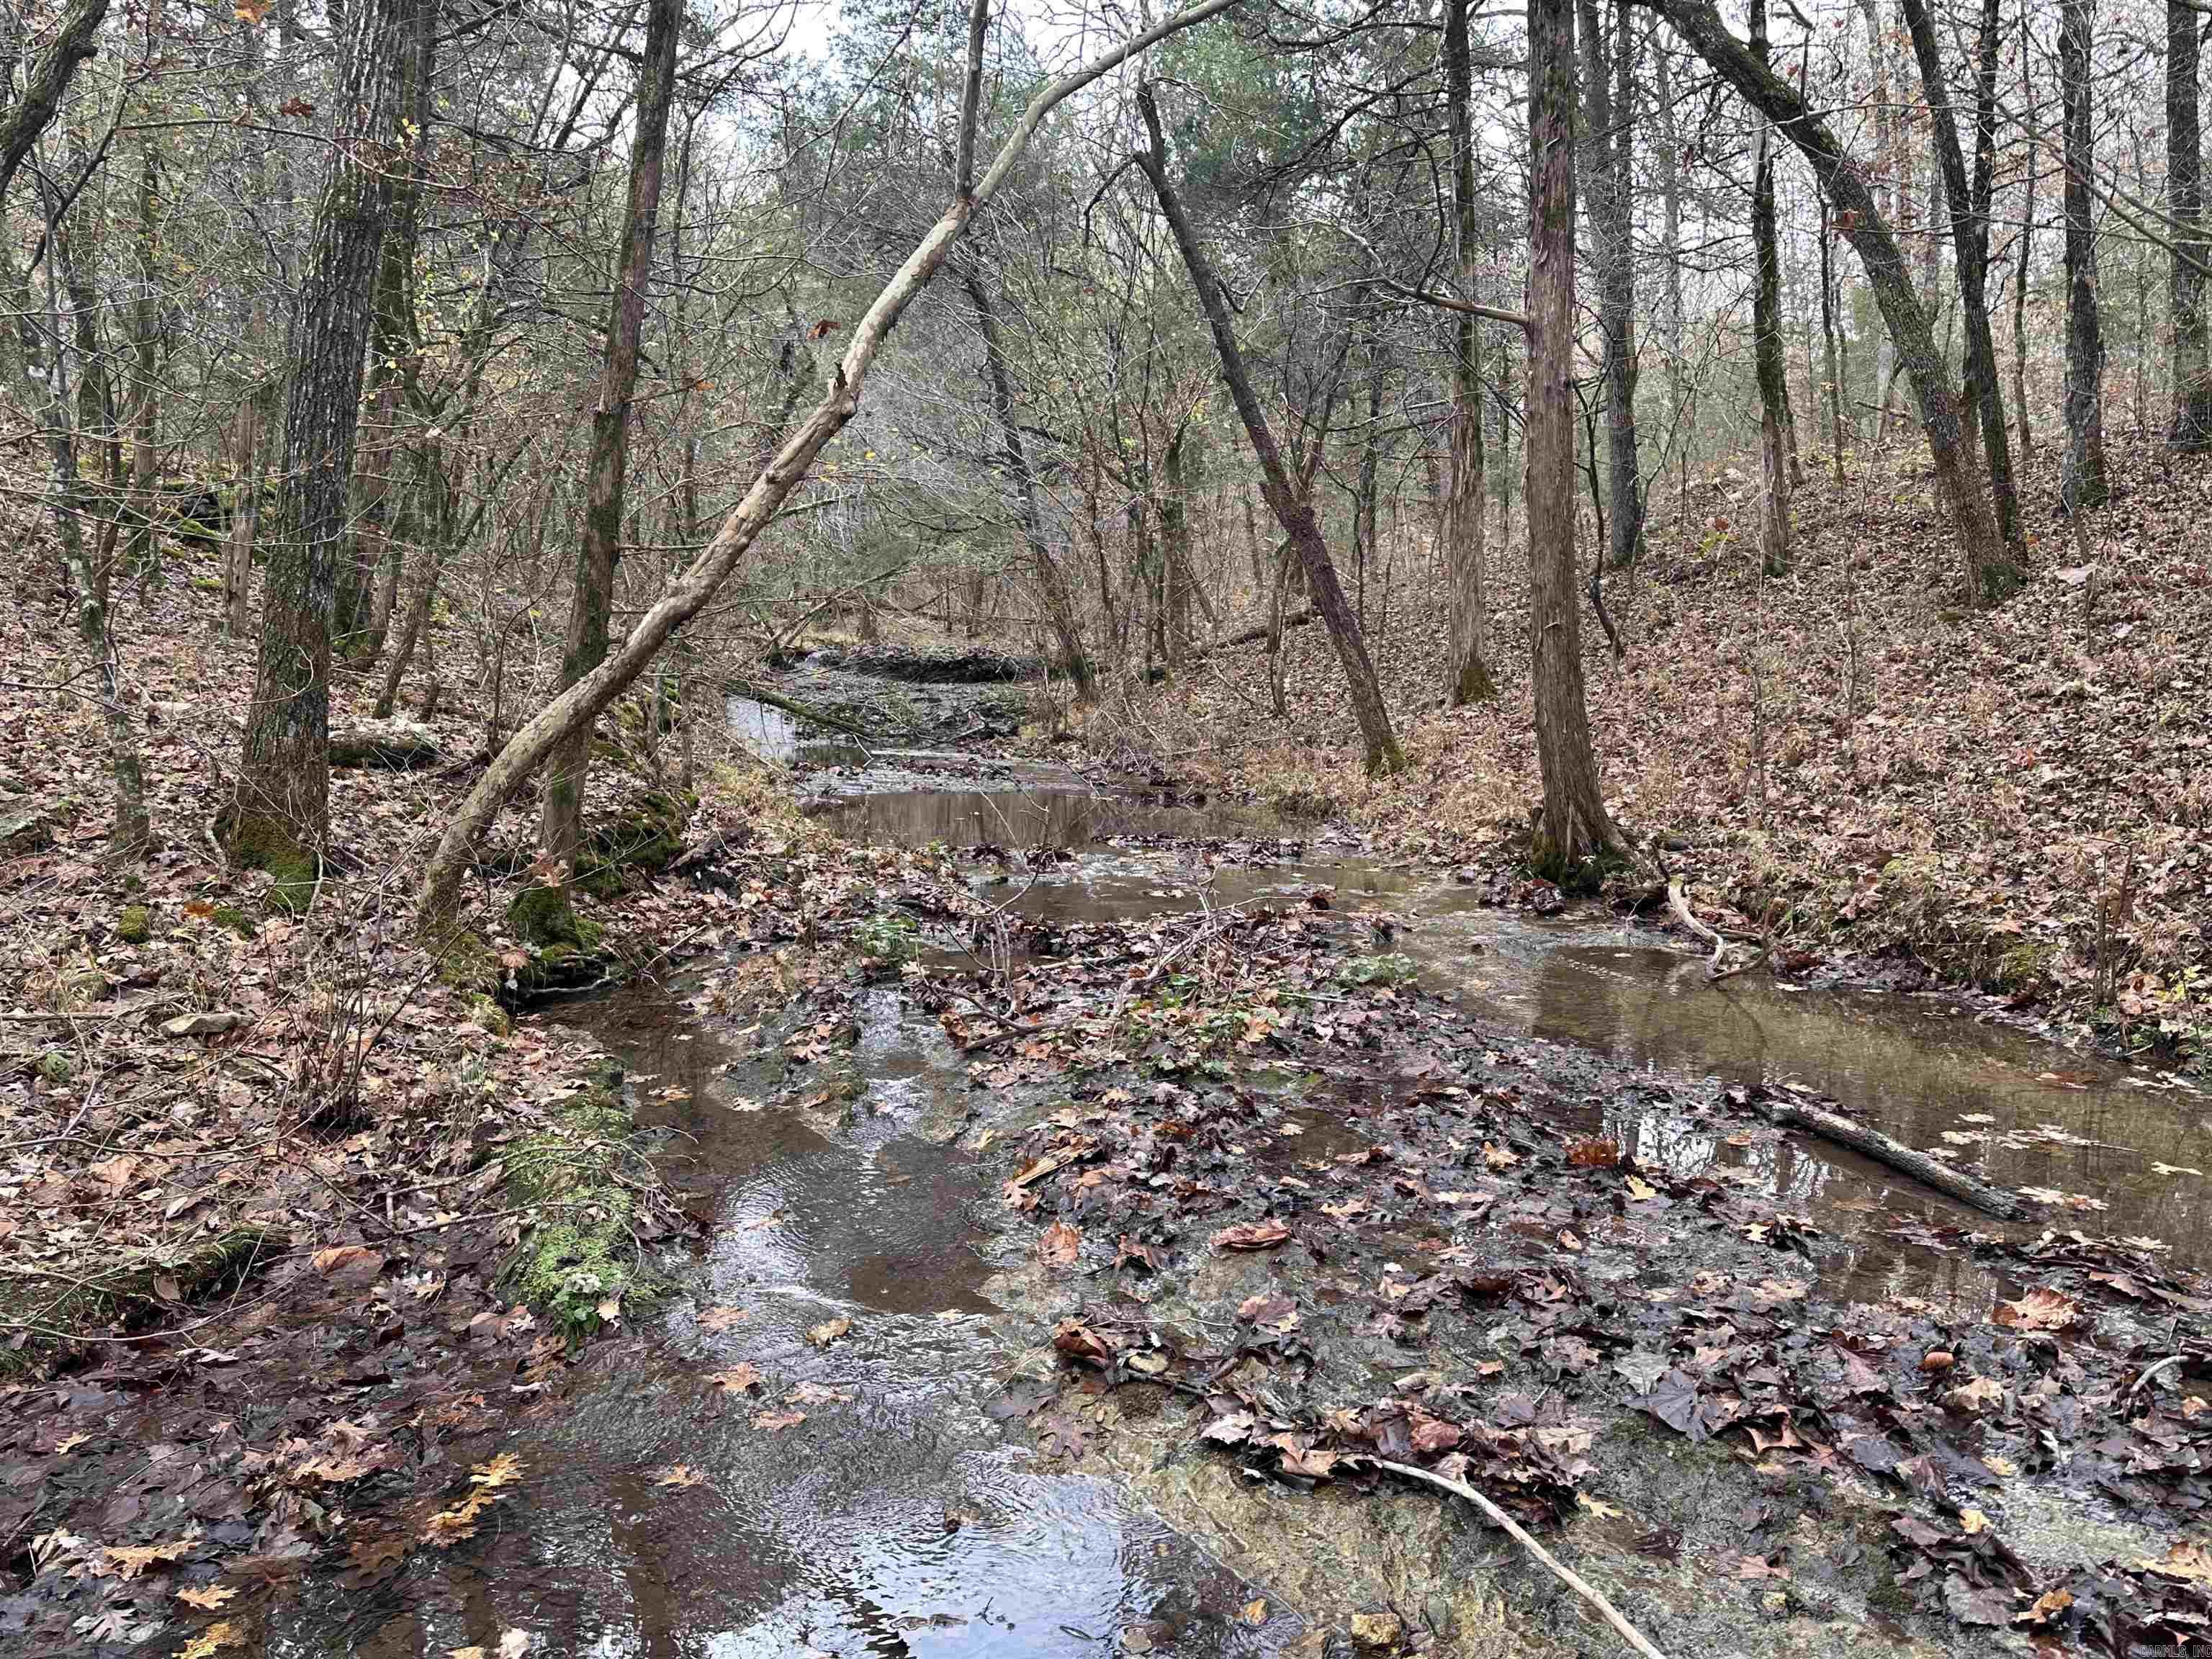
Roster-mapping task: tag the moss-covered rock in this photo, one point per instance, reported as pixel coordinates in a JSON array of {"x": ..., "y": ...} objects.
[
  {"x": 56, "y": 1067},
  {"x": 544, "y": 916},
  {"x": 135, "y": 924},
  {"x": 485, "y": 1011},
  {"x": 261, "y": 841},
  {"x": 578, "y": 1258}
]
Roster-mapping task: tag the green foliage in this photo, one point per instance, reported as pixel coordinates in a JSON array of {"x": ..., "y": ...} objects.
[
  {"x": 888, "y": 939},
  {"x": 1391, "y": 968},
  {"x": 136, "y": 925}
]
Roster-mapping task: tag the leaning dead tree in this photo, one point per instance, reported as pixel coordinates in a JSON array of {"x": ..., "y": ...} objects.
[{"x": 689, "y": 592}]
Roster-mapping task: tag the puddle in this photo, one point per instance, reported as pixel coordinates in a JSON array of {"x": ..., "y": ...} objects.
[
  {"x": 2107, "y": 1150},
  {"x": 897, "y": 1518}
]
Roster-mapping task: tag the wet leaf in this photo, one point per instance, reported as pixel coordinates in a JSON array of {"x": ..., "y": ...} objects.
[
  {"x": 679, "y": 1475},
  {"x": 775, "y": 1422},
  {"x": 1251, "y": 1236},
  {"x": 2041, "y": 1309},
  {"x": 1277, "y": 1313},
  {"x": 721, "y": 1319},
  {"x": 1079, "y": 1341},
  {"x": 207, "y": 1597},
  {"x": 1060, "y": 1245},
  {"x": 828, "y": 1332},
  {"x": 348, "y": 1264},
  {"x": 736, "y": 1379},
  {"x": 1640, "y": 1190},
  {"x": 213, "y": 1640},
  {"x": 1594, "y": 1154},
  {"x": 2186, "y": 1560},
  {"x": 1233, "y": 1429}
]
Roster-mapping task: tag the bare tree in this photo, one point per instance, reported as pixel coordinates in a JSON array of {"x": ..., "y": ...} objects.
[
  {"x": 1292, "y": 504},
  {"x": 1575, "y": 822},
  {"x": 1468, "y": 679},
  {"x": 2191, "y": 429},
  {"x": 2082, "y": 479},
  {"x": 1775, "y": 475}
]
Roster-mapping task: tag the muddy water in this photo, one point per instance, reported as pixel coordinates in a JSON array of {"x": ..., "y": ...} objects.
[
  {"x": 897, "y": 1517},
  {"x": 2105, "y": 1149}
]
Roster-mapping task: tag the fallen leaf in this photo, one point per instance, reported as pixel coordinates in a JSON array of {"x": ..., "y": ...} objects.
[
  {"x": 2186, "y": 1560},
  {"x": 212, "y": 1640},
  {"x": 2041, "y": 1309},
  {"x": 828, "y": 1332},
  {"x": 1079, "y": 1341},
  {"x": 736, "y": 1379},
  {"x": 1255, "y": 1613},
  {"x": 208, "y": 1597},
  {"x": 348, "y": 1264},
  {"x": 514, "y": 1643},
  {"x": 1060, "y": 1245},
  {"x": 679, "y": 1475},
  {"x": 774, "y": 1422},
  {"x": 1251, "y": 1236},
  {"x": 1639, "y": 1190},
  {"x": 721, "y": 1319}
]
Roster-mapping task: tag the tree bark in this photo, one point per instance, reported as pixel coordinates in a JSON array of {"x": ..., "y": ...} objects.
[
  {"x": 1608, "y": 152},
  {"x": 1053, "y": 588},
  {"x": 280, "y": 819},
  {"x": 606, "y": 470},
  {"x": 21, "y": 125},
  {"x": 1292, "y": 504},
  {"x": 2082, "y": 479},
  {"x": 2021, "y": 266},
  {"x": 2190, "y": 427},
  {"x": 1575, "y": 823},
  {"x": 143, "y": 553},
  {"x": 1776, "y": 478},
  {"x": 1860, "y": 217},
  {"x": 689, "y": 594},
  {"x": 1970, "y": 241},
  {"x": 1466, "y": 505}
]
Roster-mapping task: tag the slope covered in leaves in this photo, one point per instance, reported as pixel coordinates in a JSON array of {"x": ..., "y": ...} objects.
[{"x": 2019, "y": 797}]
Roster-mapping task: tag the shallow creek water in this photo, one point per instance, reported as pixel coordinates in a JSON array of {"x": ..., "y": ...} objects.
[{"x": 900, "y": 1518}]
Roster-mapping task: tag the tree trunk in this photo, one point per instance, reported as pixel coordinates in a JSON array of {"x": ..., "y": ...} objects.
[
  {"x": 1465, "y": 528},
  {"x": 684, "y": 598},
  {"x": 43, "y": 371},
  {"x": 1176, "y": 574},
  {"x": 2021, "y": 268},
  {"x": 1575, "y": 823},
  {"x": 1886, "y": 151},
  {"x": 1860, "y": 217},
  {"x": 2082, "y": 479},
  {"x": 143, "y": 553},
  {"x": 1291, "y": 505},
  {"x": 1834, "y": 366},
  {"x": 2191, "y": 429},
  {"x": 1670, "y": 201},
  {"x": 1776, "y": 477},
  {"x": 1608, "y": 154},
  {"x": 1053, "y": 587},
  {"x": 1970, "y": 241},
  {"x": 280, "y": 819},
  {"x": 606, "y": 470}
]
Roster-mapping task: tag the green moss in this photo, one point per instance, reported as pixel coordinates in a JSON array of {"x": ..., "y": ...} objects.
[
  {"x": 56, "y": 1067},
  {"x": 260, "y": 841},
  {"x": 1391, "y": 969},
  {"x": 544, "y": 917},
  {"x": 231, "y": 918},
  {"x": 136, "y": 925},
  {"x": 645, "y": 836},
  {"x": 580, "y": 1253},
  {"x": 466, "y": 963},
  {"x": 486, "y": 1011},
  {"x": 2023, "y": 967}
]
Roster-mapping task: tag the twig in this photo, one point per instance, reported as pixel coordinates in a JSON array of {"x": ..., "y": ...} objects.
[{"x": 1572, "y": 1580}]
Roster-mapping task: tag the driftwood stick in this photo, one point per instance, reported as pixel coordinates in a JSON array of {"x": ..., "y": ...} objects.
[
  {"x": 1566, "y": 1575},
  {"x": 1680, "y": 901},
  {"x": 1884, "y": 1149}
]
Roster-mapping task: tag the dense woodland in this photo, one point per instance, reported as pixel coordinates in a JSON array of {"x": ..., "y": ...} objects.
[{"x": 516, "y": 325}]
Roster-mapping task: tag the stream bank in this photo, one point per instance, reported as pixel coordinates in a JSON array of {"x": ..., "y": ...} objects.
[{"x": 995, "y": 1347}]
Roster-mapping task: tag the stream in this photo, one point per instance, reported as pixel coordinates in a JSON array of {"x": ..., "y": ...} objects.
[{"x": 903, "y": 1516}]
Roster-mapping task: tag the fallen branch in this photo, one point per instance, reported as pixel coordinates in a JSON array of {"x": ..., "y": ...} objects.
[
  {"x": 1566, "y": 1575},
  {"x": 1885, "y": 1150},
  {"x": 793, "y": 707},
  {"x": 1679, "y": 903}
]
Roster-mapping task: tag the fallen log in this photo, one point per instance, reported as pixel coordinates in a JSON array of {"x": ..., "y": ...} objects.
[
  {"x": 389, "y": 751},
  {"x": 1251, "y": 635},
  {"x": 793, "y": 707},
  {"x": 1795, "y": 1114}
]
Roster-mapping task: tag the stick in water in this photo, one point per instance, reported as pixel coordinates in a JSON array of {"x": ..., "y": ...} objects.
[{"x": 1567, "y": 1576}]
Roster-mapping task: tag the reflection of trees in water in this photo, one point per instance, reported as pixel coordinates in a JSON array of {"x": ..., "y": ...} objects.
[{"x": 1893, "y": 1061}]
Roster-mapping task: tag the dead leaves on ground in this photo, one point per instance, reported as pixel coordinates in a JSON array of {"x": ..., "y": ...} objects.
[{"x": 487, "y": 1483}]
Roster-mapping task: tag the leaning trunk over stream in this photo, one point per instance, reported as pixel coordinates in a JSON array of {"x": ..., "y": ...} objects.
[
  {"x": 576, "y": 707},
  {"x": 1291, "y": 505},
  {"x": 1859, "y": 216}
]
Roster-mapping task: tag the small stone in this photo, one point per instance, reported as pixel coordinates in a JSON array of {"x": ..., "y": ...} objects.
[
  {"x": 199, "y": 1024},
  {"x": 1378, "y": 1632}
]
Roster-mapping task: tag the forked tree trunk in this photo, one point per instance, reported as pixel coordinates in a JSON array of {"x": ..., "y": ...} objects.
[
  {"x": 575, "y": 708},
  {"x": 2082, "y": 480},
  {"x": 1860, "y": 217},
  {"x": 1575, "y": 823},
  {"x": 1465, "y": 525},
  {"x": 606, "y": 471},
  {"x": 280, "y": 819},
  {"x": 1292, "y": 504},
  {"x": 2190, "y": 427},
  {"x": 1970, "y": 241}
]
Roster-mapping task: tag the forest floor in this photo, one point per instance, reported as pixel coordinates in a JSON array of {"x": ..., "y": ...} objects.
[
  {"x": 1843, "y": 755},
  {"x": 338, "y": 1285}
]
